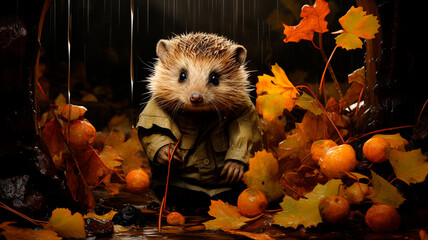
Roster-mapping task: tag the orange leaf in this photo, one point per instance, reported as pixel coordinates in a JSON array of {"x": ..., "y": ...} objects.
[
  {"x": 54, "y": 140},
  {"x": 72, "y": 112},
  {"x": 67, "y": 225},
  {"x": 313, "y": 21},
  {"x": 92, "y": 167},
  {"x": 107, "y": 216},
  {"x": 16, "y": 233},
  {"x": 275, "y": 94},
  {"x": 356, "y": 24},
  {"x": 227, "y": 217},
  {"x": 77, "y": 185}
]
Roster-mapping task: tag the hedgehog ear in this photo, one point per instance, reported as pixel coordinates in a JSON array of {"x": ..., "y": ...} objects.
[
  {"x": 240, "y": 53},
  {"x": 162, "y": 49}
]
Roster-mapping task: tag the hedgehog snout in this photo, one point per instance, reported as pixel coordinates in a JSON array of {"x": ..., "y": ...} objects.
[{"x": 196, "y": 98}]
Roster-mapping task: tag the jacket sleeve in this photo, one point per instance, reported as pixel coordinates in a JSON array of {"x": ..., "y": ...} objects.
[
  {"x": 156, "y": 129},
  {"x": 244, "y": 135}
]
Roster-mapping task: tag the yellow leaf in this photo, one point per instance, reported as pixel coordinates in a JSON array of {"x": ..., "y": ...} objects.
[
  {"x": 261, "y": 175},
  {"x": 307, "y": 102},
  {"x": 16, "y": 233},
  {"x": 356, "y": 24},
  {"x": 67, "y": 225},
  {"x": 107, "y": 216},
  {"x": 227, "y": 217},
  {"x": 396, "y": 141},
  {"x": 410, "y": 167},
  {"x": 384, "y": 192},
  {"x": 305, "y": 211},
  {"x": 275, "y": 94}
]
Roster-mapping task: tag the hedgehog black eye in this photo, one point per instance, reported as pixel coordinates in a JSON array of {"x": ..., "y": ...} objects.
[
  {"x": 214, "y": 79},
  {"x": 182, "y": 77}
]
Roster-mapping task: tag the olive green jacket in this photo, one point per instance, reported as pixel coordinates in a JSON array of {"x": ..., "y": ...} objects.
[{"x": 207, "y": 140}]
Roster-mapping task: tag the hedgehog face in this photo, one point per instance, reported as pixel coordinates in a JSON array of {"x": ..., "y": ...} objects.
[{"x": 199, "y": 72}]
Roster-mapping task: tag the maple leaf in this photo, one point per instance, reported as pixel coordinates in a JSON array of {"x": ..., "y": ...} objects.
[
  {"x": 67, "y": 225},
  {"x": 410, "y": 167},
  {"x": 313, "y": 21},
  {"x": 305, "y": 211},
  {"x": 16, "y": 233},
  {"x": 356, "y": 24},
  {"x": 261, "y": 175},
  {"x": 384, "y": 192},
  {"x": 396, "y": 141},
  {"x": 227, "y": 217},
  {"x": 275, "y": 94}
]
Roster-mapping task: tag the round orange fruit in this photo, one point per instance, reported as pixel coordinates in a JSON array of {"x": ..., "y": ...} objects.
[
  {"x": 320, "y": 147},
  {"x": 382, "y": 218},
  {"x": 334, "y": 209},
  {"x": 175, "y": 218},
  {"x": 338, "y": 160},
  {"x": 137, "y": 181},
  {"x": 374, "y": 150},
  {"x": 82, "y": 134},
  {"x": 252, "y": 202}
]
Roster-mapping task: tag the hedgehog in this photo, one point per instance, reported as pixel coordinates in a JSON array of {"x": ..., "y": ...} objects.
[{"x": 199, "y": 106}]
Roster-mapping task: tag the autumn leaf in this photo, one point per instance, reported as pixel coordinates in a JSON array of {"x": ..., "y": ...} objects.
[
  {"x": 67, "y": 225},
  {"x": 356, "y": 24},
  {"x": 11, "y": 232},
  {"x": 275, "y": 94},
  {"x": 396, "y": 141},
  {"x": 52, "y": 136},
  {"x": 384, "y": 192},
  {"x": 227, "y": 217},
  {"x": 305, "y": 211},
  {"x": 77, "y": 185},
  {"x": 307, "y": 102},
  {"x": 71, "y": 112},
  {"x": 410, "y": 167},
  {"x": 313, "y": 21},
  {"x": 261, "y": 175},
  {"x": 256, "y": 236},
  {"x": 107, "y": 216}
]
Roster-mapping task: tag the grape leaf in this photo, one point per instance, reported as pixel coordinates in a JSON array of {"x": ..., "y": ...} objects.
[
  {"x": 410, "y": 167},
  {"x": 313, "y": 21},
  {"x": 305, "y": 211},
  {"x": 384, "y": 192},
  {"x": 261, "y": 175},
  {"x": 16, "y": 233},
  {"x": 275, "y": 94},
  {"x": 356, "y": 24},
  {"x": 67, "y": 225},
  {"x": 227, "y": 217}
]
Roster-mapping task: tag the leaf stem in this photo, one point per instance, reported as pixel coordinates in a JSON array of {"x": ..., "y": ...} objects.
[{"x": 325, "y": 69}]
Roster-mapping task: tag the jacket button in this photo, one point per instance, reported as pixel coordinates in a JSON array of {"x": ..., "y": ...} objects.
[{"x": 206, "y": 161}]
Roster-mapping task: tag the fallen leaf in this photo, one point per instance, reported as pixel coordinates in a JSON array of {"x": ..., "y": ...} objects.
[
  {"x": 275, "y": 94},
  {"x": 16, "y": 233},
  {"x": 227, "y": 217},
  {"x": 384, "y": 192},
  {"x": 107, "y": 216},
  {"x": 305, "y": 211},
  {"x": 256, "y": 236},
  {"x": 67, "y": 225},
  {"x": 261, "y": 175},
  {"x": 410, "y": 167},
  {"x": 356, "y": 24}
]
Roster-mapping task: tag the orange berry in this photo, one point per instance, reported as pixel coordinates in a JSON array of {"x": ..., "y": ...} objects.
[
  {"x": 82, "y": 134},
  {"x": 320, "y": 147},
  {"x": 374, "y": 149},
  {"x": 175, "y": 218},
  {"x": 137, "y": 181},
  {"x": 382, "y": 218},
  {"x": 338, "y": 160},
  {"x": 252, "y": 202},
  {"x": 334, "y": 209}
]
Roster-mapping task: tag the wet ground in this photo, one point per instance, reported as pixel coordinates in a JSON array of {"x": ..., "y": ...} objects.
[{"x": 194, "y": 229}]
